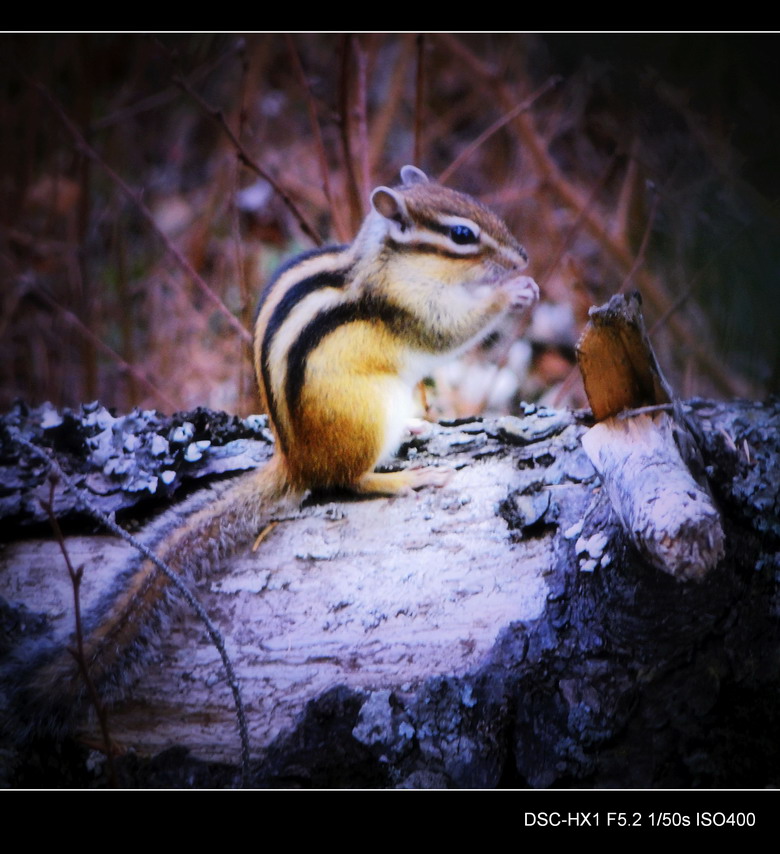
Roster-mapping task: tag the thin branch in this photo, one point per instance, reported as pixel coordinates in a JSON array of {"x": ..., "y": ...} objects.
[
  {"x": 574, "y": 230},
  {"x": 85, "y": 148},
  {"x": 551, "y": 83},
  {"x": 235, "y": 224},
  {"x": 419, "y": 98},
  {"x": 170, "y": 93},
  {"x": 214, "y": 634},
  {"x": 72, "y": 320},
  {"x": 385, "y": 118},
  {"x": 627, "y": 191},
  {"x": 243, "y": 155},
  {"x": 567, "y": 385},
  {"x": 572, "y": 196},
  {"x": 574, "y": 374},
  {"x": 697, "y": 278},
  {"x": 338, "y": 224},
  {"x": 126, "y": 319},
  {"x": 640, "y": 255},
  {"x": 76, "y": 576},
  {"x": 353, "y": 190},
  {"x": 361, "y": 115}
]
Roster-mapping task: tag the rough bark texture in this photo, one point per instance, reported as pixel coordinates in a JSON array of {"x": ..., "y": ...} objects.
[{"x": 498, "y": 631}]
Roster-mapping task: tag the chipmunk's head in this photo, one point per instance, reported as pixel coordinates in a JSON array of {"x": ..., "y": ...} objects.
[{"x": 448, "y": 229}]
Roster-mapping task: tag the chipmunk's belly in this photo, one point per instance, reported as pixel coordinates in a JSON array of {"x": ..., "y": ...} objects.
[
  {"x": 399, "y": 410},
  {"x": 400, "y": 405}
]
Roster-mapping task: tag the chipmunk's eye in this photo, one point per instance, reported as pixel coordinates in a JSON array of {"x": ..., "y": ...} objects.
[{"x": 462, "y": 234}]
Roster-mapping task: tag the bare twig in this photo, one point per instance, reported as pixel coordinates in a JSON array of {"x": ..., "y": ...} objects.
[
  {"x": 263, "y": 534},
  {"x": 568, "y": 384},
  {"x": 353, "y": 188},
  {"x": 75, "y": 578},
  {"x": 70, "y": 318},
  {"x": 234, "y": 220},
  {"x": 567, "y": 192},
  {"x": 339, "y": 225},
  {"x": 572, "y": 196},
  {"x": 496, "y": 126},
  {"x": 574, "y": 230},
  {"x": 627, "y": 192},
  {"x": 361, "y": 116},
  {"x": 80, "y": 274},
  {"x": 640, "y": 255},
  {"x": 125, "y": 323},
  {"x": 574, "y": 374},
  {"x": 419, "y": 98},
  {"x": 384, "y": 118},
  {"x": 243, "y": 155},
  {"x": 165, "y": 96},
  {"x": 213, "y": 632},
  {"x": 697, "y": 278},
  {"x": 85, "y": 148}
]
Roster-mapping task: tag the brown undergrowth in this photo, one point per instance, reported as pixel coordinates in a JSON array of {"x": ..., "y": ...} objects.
[{"x": 151, "y": 184}]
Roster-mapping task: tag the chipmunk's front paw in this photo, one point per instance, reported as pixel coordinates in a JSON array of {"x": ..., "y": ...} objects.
[{"x": 523, "y": 292}]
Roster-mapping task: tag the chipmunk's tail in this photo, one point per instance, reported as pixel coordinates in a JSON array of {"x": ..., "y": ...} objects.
[{"x": 42, "y": 690}]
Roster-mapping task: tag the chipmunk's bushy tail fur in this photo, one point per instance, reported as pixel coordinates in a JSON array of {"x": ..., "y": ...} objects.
[{"x": 41, "y": 688}]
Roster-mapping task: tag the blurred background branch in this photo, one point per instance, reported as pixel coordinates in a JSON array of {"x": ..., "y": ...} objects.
[{"x": 638, "y": 161}]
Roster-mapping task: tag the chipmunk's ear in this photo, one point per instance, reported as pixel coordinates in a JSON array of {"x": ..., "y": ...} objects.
[
  {"x": 412, "y": 175},
  {"x": 390, "y": 204}
]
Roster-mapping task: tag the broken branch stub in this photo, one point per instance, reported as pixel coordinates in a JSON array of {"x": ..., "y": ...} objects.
[{"x": 670, "y": 518}]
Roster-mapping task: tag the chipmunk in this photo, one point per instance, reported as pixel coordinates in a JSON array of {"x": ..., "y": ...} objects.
[{"x": 343, "y": 335}]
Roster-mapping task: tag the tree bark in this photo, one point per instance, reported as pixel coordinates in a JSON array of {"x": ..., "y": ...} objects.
[{"x": 502, "y": 630}]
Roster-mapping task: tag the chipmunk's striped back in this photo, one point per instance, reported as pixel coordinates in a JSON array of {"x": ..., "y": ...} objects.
[{"x": 301, "y": 290}]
